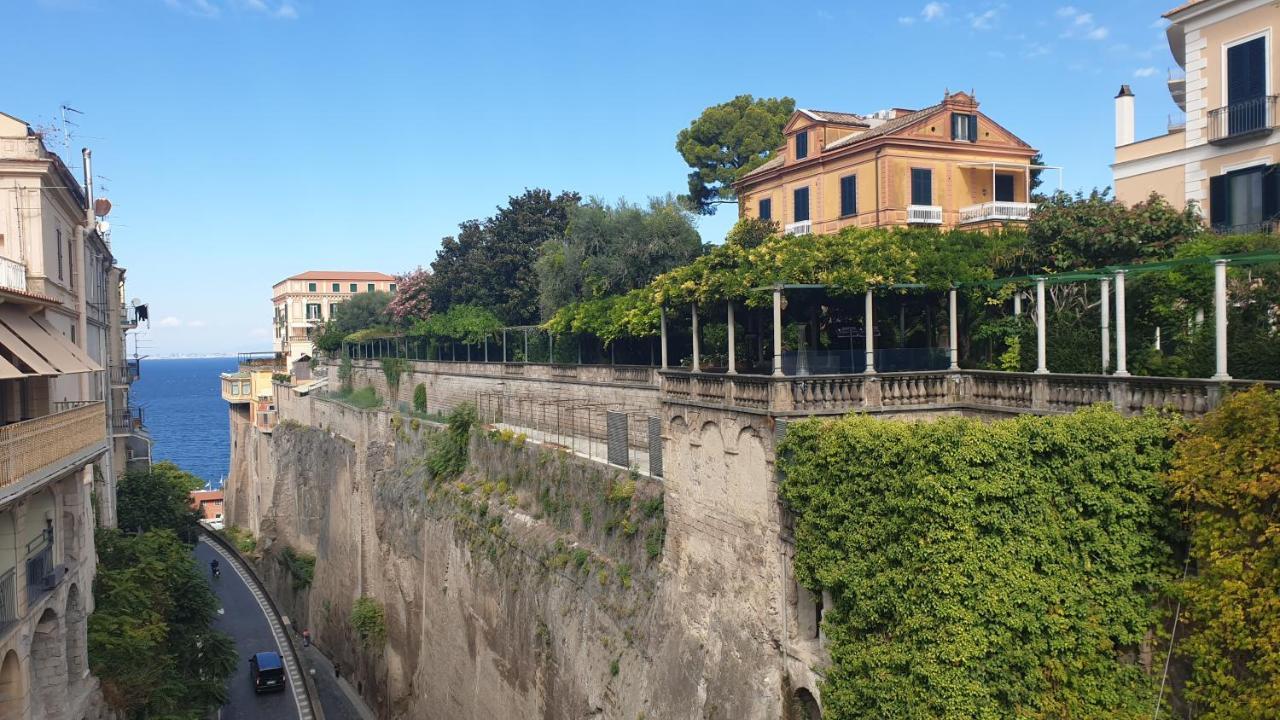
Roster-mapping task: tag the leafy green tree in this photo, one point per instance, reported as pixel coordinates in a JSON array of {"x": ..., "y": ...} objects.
[
  {"x": 1073, "y": 232},
  {"x": 159, "y": 498},
  {"x": 727, "y": 140},
  {"x": 460, "y": 323},
  {"x": 364, "y": 311},
  {"x": 151, "y": 642},
  {"x": 611, "y": 250},
  {"x": 489, "y": 263},
  {"x": 1226, "y": 473}
]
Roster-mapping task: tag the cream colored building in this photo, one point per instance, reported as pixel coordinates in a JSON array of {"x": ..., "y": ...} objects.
[
  {"x": 1224, "y": 156},
  {"x": 946, "y": 165},
  {"x": 66, "y": 426},
  {"x": 304, "y": 302}
]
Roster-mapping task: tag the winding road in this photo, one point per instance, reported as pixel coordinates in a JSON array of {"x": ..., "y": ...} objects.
[{"x": 246, "y": 617}]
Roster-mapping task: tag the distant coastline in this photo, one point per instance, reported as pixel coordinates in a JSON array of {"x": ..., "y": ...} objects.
[{"x": 196, "y": 356}]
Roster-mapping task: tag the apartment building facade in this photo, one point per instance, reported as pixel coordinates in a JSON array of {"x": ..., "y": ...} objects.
[
  {"x": 63, "y": 377},
  {"x": 306, "y": 301},
  {"x": 947, "y": 165},
  {"x": 1225, "y": 157}
]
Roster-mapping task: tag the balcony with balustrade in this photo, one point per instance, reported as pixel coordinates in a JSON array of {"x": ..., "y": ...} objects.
[
  {"x": 13, "y": 275},
  {"x": 1242, "y": 120},
  {"x": 43, "y": 446}
]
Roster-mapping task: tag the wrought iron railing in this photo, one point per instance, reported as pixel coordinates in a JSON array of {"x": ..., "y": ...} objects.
[{"x": 1242, "y": 119}]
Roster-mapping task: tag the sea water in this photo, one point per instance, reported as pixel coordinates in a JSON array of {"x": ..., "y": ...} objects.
[{"x": 186, "y": 415}]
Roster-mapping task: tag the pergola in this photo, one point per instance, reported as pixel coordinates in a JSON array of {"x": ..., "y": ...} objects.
[{"x": 1105, "y": 276}]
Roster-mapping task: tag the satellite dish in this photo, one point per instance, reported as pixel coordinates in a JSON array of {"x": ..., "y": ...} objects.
[
  {"x": 101, "y": 207},
  {"x": 135, "y": 302}
]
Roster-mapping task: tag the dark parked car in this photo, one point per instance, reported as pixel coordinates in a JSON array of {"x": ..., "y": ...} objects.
[{"x": 267, "y": 671}]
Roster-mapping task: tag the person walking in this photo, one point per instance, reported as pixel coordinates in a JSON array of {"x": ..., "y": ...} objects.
[{"x": 306, "y": 637}]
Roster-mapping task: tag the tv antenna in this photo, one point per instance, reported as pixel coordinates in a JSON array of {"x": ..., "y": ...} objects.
[{"x": 66, "y": 135}]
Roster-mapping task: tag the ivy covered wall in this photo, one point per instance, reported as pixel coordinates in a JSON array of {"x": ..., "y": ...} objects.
[{"x": 985, "y": 570}]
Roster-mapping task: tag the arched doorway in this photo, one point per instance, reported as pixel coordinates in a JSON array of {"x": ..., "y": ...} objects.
[
  {"x": 806, "y": 705},
  {"x": 49, "y": 687},
  {"x": 13, "y": 694},
  {"x": 74, "y": 619}
]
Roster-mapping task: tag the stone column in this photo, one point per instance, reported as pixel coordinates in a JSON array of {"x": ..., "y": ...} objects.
[
  {"x": 697, "y": 360},
  {"x": 777, "y": 331},
  {"x": 1122, "y": 352},
  {"x": 733, "y": 364},
  {"x": 1105, "y": 307},
  {"x": 662, "y": 321},
  {"x": 868, "y": 325},
  {"x": 1042, "y": 365},
  {"x": 1220, "y": 319},
  {"x": 955, "y": 334}
]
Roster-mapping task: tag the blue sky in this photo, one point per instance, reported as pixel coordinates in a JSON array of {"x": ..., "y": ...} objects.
[{"x": 244, "y": 140}]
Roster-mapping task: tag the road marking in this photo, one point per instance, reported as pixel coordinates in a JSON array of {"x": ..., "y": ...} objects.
[{"x": 291, "y": 663}]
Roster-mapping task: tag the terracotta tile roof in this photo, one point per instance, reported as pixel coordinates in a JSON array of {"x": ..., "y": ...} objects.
[
  {"x": 885, "y": 127},
  {"x": 837, "y": 118},
  {"x": 340, "y": 275},
  {"x": 1183, "y": 6},
  {"x": 770, "y": 164}
]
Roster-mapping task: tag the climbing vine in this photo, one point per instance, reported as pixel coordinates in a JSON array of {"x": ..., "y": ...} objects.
[
  {"x": 1227, "y": 472},
  {"x": 983, "y": 570},
  {"x": 369, "y": 621}
]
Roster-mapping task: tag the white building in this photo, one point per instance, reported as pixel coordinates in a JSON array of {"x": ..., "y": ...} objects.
[{"x": 304, "y": 302}]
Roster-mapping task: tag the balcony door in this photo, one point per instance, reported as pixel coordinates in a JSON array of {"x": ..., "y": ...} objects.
[
  {"x": 1244, "y": 200},
  {"x": 1247, "y": 86},
  {"x": 1004, "y": 188},
  {"x": 921, "y": 186}
]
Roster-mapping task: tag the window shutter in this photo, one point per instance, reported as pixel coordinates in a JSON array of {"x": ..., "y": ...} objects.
[
  {"x": 849, "y": 195},
  {"x": 921, "y": 186},
  {"x": 1271, "y": 192},
  {"x": 766, "y": 209},
  {"x": 1218, "y": 200},
  {"x": 801, "y": 209},
  {"x": 973, "y": 128}
]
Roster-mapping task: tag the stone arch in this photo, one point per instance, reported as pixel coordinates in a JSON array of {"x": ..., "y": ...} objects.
[
  {"x": 806, "y": 705},
  {"x": 76, "y": 635},
  {"x": 13, "y": 691},
  {"x": 48, "y": 669}
]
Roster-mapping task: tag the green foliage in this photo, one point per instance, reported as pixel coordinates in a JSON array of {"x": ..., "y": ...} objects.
[
  {"x": 448, "y": 451},
  {"x": 365, "y": 398},
  {"x": 420, "y": 398},
  {"x": 460, "y": 323},
  {"x": 1226, "y": 473},
  {"x": 489, "y": 264},
  {"x": 282, "y": 377},
  {"x": 654, "y": 541},
  {"x": 362, "y": 312},
  {"x": 241, "y": 538},
  {"x": 300, "y": 566},
  {"x": 611, "y": 250},
  {"x": 159, "y": 498},
  {"x": 983, "y": 570},
  {"x": 727, "y": 140},
  {"x": 392, "y": 369},
  {"x": 1074, "y": 232},
  {"x": 370, "y": 333},
  {"x": 369, "y": 621},
  {"x": 150, "y": 639},
  {"x": 345, "y": 371}
]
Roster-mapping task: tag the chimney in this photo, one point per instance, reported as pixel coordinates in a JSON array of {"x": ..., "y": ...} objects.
[
  {"x": 1124, "y": 116},
  {"x": 87, "y": 165}
]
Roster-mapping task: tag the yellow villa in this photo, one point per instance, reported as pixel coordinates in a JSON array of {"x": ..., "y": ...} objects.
[
  {"x": 946, "y": 165},
  {"x": 1224, "y": 156}
]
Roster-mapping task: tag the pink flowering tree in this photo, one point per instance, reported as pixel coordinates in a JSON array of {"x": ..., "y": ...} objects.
[{"x": 411, "y": 302}]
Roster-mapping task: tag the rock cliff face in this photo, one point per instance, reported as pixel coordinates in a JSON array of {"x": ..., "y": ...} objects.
[{"x": 532, "y": 584}]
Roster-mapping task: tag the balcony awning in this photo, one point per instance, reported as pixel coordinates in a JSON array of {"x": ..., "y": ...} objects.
[
  {"x": 9, "y": 372},
  {"x": 39, "y": 346}
]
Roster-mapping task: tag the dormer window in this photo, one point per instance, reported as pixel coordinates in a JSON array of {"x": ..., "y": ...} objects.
[
  {"x": 802, "y": 145},
  {"x": 964, "y": 127}
]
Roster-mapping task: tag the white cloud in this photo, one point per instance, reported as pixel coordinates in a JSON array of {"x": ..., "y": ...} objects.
[
  {"x": 280, "y": 9},
  {"x": 169, "y": 321},
  {"x": 1098, "y": 33},
  {"x": 1144, "y": 72},
  {"x": 983, "y": 21},
  {"x": 933, "y": 11},
  {"x": 907, "y": 20},
  {"x": 1067, "y": 11},
  {"x": 1084, "y": 19}
]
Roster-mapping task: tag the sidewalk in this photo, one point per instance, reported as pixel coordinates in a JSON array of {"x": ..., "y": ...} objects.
[{"x": 337, "y": 697}]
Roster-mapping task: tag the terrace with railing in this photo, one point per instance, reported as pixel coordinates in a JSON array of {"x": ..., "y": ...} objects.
[{"x": 31, "y": 445}]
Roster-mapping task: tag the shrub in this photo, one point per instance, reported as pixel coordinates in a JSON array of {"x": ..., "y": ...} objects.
[
  {"x": 420, "y": 398},
  {"x": 983, "y": 569},
  {"x": 369, "y": 621},
  {"x": 1227, "y": 472},
  {"x": 301, "y": 567},
  {"x": 345, "y": 371},
  {"x": 392, "y": 369},
  {"x": 366, "y": 398},
  {"x": 447, "y": 452},
  {"x": 241, "y": 538}
]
